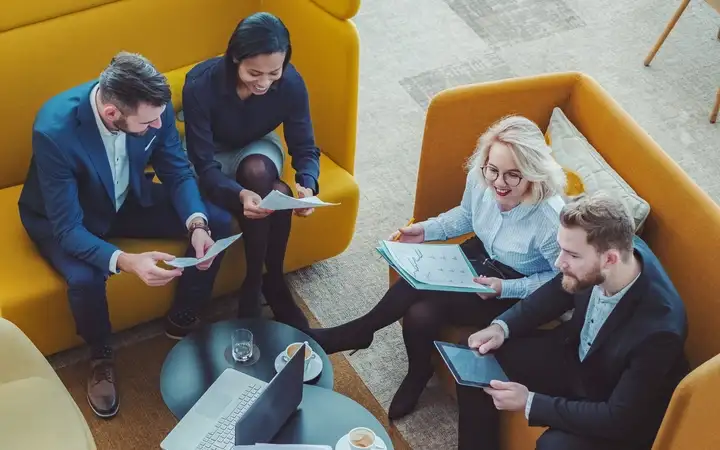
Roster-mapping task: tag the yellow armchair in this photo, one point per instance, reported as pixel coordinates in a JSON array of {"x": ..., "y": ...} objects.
[
  {"x": 33, "y": 399},
  {"x": 682, "y": 227}
]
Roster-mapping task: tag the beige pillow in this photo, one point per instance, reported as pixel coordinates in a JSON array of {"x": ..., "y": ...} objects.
[{"x": 587, "y": 171}]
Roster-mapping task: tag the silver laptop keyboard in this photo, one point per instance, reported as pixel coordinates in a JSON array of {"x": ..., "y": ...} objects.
[{"x": 222, "y": 437}]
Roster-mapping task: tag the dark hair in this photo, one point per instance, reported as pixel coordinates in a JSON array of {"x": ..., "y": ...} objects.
[
  {"x": 131, "y": 79},
  {"x": 605, "y": 219},
  {"x": 258, "y": 34}
]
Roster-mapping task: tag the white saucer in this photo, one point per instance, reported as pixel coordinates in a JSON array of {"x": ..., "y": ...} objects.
[
  {"x": 313, "y": 371},
  {"x": 343, "y": 444}
]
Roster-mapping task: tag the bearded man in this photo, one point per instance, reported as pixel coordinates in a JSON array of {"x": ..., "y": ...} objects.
[
  {"x": 604, "y": 379},
  {"x": 87, "y": 183}
]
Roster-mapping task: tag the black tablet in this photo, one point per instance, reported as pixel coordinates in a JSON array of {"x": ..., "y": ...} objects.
[{"x": 468, "y": 366}]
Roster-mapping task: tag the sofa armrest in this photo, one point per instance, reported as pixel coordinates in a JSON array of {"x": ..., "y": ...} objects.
[
  {"x": 20, "y": 358},
  {"x": 458, "y": 116},
  {"x": 691, "y": 418}
]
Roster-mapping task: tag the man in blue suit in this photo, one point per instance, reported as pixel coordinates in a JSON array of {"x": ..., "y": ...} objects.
[{"x": 87, "y": 183}]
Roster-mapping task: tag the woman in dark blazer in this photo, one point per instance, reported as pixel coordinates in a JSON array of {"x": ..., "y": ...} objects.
[{"x": 232, "y": 105}]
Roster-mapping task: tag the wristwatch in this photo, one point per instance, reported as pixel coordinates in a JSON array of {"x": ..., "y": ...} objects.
[{"x": 198, "y": 225}]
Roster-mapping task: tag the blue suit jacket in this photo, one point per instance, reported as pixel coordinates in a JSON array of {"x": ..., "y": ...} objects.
[{"x": 69, "y": 192}]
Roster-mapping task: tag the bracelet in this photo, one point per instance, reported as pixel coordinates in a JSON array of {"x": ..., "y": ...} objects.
[{"x": 198, "y": 225}]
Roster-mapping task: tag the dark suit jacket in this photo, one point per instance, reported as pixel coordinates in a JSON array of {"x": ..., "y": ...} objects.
[
  {"x": 69, "y": 193},
  {"x": 633, "y": 366}
]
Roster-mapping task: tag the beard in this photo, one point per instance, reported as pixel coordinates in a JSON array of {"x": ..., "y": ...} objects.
[
  {"x": 121, "y": 124},
  {"x": 572, "y": 284}
]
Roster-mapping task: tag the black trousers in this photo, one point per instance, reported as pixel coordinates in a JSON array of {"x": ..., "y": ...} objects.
[
  {"x": 426, "y": 313},
  {"x": 544, "y": 363}
]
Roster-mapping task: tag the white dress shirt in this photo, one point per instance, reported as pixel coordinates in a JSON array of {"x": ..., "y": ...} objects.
[{"x": 116, "y": 149}]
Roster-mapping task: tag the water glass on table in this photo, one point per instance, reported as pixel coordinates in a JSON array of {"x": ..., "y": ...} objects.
[{"x": 242, "y": 345}]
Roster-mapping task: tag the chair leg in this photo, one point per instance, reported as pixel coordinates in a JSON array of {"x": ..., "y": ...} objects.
[
  {"x": 716, "y": 108},
  {"x": 667, "y": 31},
  {"x": 718, "y": 33}
]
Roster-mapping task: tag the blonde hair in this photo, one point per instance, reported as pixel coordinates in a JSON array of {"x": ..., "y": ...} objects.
[{"x": 530, "y": 152}]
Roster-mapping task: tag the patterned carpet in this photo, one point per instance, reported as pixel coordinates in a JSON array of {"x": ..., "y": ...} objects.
[{"x": 411, "y": 49}]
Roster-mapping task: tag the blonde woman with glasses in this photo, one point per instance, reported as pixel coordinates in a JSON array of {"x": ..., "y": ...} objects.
[{"x": 512, "y": 203}]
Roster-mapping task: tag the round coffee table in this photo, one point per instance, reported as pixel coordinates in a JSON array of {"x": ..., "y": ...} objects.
[
  {"x": 325, "y": 416},
  {"x": 197, "y": 361}
]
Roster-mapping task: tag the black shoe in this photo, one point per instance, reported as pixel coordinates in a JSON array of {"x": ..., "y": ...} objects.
[
  {"x": 408, "y": 394},
  {"x": 281, "y": 301},
  {"x": 102, "y": 392},
  {"x": 179, "y": 325},
  {"x": 334, "y": 340}
]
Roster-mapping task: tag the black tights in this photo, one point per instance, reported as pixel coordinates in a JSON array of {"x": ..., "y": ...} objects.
[
  {"x": 265, "y": 244},
  {"x": 424, "y": 314}
]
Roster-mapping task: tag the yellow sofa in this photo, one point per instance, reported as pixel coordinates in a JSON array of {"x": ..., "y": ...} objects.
[
  {"x": 682, "y": 228},
  {"x": 50, "y": 45},
  {"x": 32, "y": 399}
]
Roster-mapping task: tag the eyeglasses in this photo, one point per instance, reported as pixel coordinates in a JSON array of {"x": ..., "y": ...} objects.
[{"x": 510, "y": 178}]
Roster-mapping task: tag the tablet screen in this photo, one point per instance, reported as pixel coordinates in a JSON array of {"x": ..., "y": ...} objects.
[{"x": 469, "y": 366}]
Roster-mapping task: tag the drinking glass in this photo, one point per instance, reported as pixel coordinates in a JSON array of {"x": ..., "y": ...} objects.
[{"x": 242, "y": 345}]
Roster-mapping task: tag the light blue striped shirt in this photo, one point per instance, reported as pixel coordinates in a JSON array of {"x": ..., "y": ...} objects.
[{"x": 524, "y": 238}]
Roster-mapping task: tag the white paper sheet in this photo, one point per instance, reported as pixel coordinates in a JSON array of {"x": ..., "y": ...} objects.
[
  {"x": 277, "y": 201},
  {"x": 218, "y": 247}
]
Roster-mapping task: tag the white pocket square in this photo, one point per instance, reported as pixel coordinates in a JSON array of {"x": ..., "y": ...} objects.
[{"x": 150, "y": 143}]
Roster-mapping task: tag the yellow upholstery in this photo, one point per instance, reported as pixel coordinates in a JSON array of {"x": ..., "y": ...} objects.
[
  {"x": 36, "y": 411},
  {"x": 52, "y": 45},
  {"x": 681, "y": 229}
]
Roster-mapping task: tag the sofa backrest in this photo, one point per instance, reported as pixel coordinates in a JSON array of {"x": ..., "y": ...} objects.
[
  {"x": 47, "y": 46},
  {"x": 684, "y": 222}
]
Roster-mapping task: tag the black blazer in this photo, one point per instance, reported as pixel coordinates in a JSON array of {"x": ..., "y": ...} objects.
[{"x": 633, "y": 366}]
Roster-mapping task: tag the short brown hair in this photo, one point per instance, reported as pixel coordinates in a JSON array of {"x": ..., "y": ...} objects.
[
  {"x": 131, "y": 79},
  {"x": 605, "y": 219}
]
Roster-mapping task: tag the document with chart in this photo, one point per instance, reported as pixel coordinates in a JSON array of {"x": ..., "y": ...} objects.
[{"x": 439, "y": 267}]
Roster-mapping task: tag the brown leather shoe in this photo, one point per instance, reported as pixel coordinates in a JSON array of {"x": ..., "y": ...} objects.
[{"x": 101, "y": 392}]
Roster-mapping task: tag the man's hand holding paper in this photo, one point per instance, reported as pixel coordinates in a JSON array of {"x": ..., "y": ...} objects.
[{"x": 212, "y": 252}]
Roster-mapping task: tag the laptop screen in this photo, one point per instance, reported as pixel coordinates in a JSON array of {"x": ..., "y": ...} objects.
[{"x": 275, "y": 405}]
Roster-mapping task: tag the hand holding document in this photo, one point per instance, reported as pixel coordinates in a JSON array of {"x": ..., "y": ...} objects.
[
  {"x": 435, "y": 267},
  {"x": 213, "y": 251},
  {"x": 277, "y": 201}
]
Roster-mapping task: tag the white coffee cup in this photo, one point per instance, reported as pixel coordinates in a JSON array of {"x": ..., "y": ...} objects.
[
  {"x": 294, "y": 347},
  {"x": 362, "y": 438}
]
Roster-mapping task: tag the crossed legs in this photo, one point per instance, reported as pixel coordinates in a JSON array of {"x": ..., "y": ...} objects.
[
  {"x": 265, "y": 246},
  {"x": 424, "y": 314}
]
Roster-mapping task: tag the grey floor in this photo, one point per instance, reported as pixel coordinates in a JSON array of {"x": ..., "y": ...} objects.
[{"x": 411, "y": 49}]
